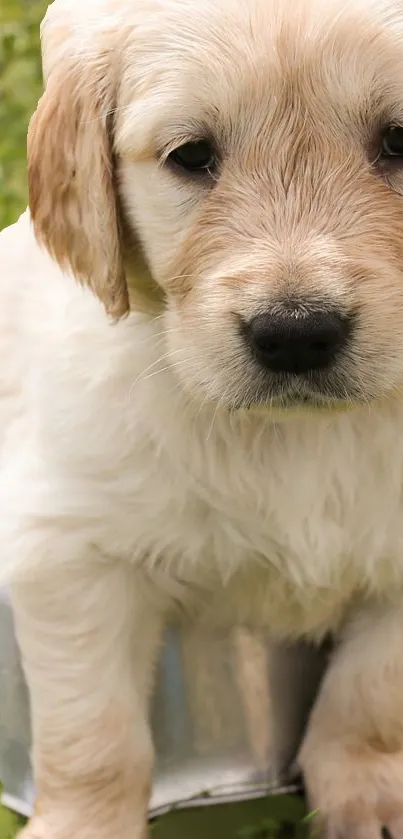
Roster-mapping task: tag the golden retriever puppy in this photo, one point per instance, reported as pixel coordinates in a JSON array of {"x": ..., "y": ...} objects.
[{"x": 213, "y": 414}]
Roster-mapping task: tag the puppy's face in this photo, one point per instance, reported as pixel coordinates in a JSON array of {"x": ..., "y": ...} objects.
[{"x": 254, "y": 149}]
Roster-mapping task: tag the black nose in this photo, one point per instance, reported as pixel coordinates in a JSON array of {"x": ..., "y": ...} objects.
[{"x": 297, "y": 341}]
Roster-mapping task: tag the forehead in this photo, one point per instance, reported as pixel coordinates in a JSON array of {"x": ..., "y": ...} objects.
[{"x": 187, "y": 63}]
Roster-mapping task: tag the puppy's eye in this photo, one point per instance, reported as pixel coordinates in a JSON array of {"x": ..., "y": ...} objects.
[
  {"x": 197, "y": 156},
  {"x": 392, "y": 142}
]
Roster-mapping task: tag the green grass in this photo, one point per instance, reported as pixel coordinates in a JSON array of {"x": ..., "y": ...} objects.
[
  {"x": 20, "y": 88},
  {"x": 9, "y": 824},
  {"x": 276, "y": 817}
]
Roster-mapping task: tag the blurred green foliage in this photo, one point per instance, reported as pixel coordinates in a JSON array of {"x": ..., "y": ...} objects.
[{"x": 20, "y": 89}]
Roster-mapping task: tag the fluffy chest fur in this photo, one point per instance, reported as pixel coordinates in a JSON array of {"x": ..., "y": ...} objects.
[{"x": 284, "y": 524}]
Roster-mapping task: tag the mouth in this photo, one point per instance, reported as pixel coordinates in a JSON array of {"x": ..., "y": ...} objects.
[
  {"x": 291, "y": 394},
  {"x": 312, "y": 405}
]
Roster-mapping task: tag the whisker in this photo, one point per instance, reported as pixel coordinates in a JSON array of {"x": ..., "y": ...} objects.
[
  {"x": 143, "y": 374},
  {"x": 176, "y": 364}
]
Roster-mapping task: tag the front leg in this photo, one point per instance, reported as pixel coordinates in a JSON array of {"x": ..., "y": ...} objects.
[
  {"x": 352, "y": 755},
  {"x": 89, "y": 636}
]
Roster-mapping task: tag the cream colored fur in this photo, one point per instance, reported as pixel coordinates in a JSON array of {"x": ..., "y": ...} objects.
[{"x": 141, "y": 466}]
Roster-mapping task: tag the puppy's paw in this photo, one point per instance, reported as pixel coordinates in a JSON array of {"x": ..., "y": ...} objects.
[
  {"x": 355, "y": 790},
  {"x": 38, "y": 829}
]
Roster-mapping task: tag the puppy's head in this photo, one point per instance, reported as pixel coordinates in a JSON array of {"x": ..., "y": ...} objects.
[{"x": 254, "y": 150}]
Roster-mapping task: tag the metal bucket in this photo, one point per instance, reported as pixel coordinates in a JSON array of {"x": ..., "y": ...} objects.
[{"x": 227, "y": 717}]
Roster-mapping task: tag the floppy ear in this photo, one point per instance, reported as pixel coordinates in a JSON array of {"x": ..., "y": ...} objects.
[{"x": 72, "y": 192}]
